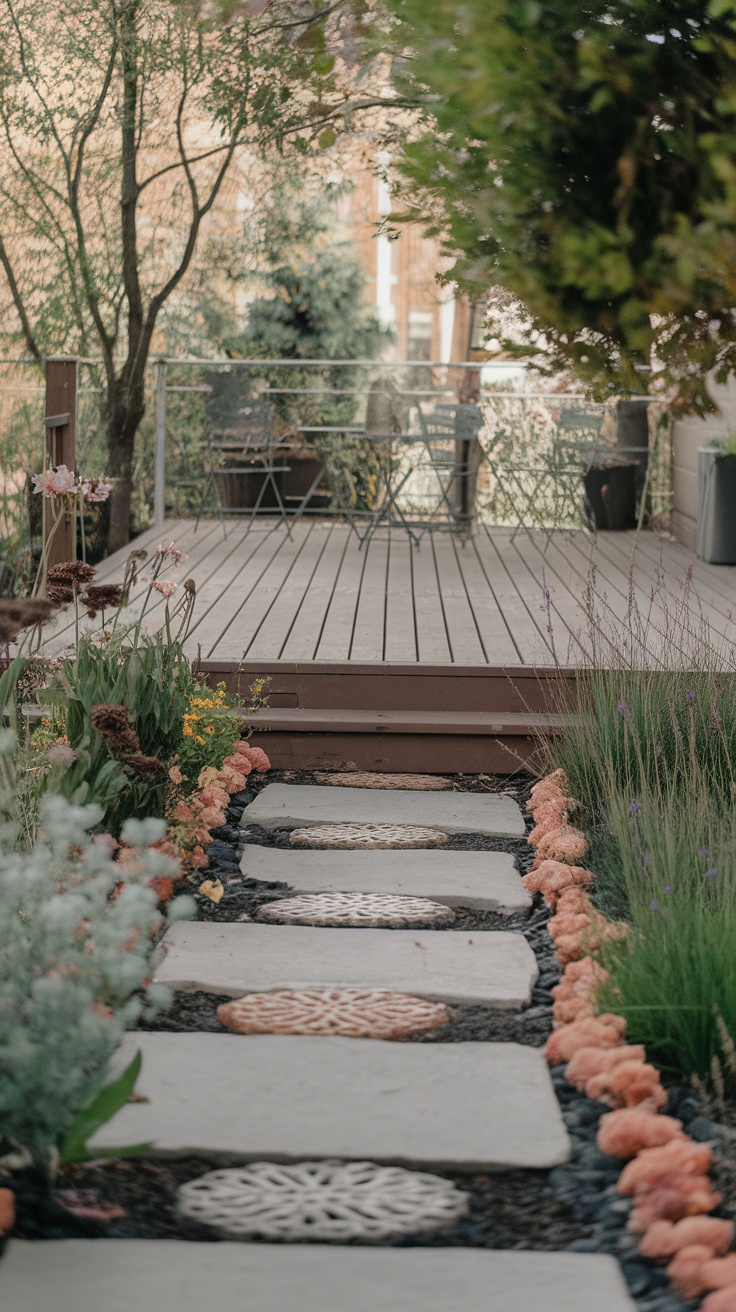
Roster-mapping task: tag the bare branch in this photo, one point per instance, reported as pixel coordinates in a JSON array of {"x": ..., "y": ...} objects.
[{"x": 19, "y": 305}]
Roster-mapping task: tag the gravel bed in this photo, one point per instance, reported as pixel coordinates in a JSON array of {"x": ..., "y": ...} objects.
[{"x": 514, "y": 1210}]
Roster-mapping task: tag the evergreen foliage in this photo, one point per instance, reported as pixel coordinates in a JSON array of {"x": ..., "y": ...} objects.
[
  {"x": 583, "y": 157},
  {"x": 72, "y": 956}
]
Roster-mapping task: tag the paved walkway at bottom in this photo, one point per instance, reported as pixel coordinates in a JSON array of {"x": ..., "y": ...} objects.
[{"x": 119, "y": 1275}]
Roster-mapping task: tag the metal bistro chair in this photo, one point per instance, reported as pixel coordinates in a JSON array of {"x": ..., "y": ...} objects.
[
  {"x": 449, "y": 436},
  {"x": 253, "y": 452}
]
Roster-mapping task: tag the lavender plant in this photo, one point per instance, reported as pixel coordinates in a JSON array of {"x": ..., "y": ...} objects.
[{"x": 77, "y": 935}]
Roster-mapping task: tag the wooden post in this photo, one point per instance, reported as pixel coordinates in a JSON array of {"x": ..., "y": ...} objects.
[
  {"x": 159, "y": 486},
  {"x": 60, "y": 447}
]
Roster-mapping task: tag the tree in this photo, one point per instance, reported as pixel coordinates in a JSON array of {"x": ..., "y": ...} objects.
[
  {"x": 583, "y": 157},
  {"x": 312, "y": 307},
  {"x": 121, "y": 126}
]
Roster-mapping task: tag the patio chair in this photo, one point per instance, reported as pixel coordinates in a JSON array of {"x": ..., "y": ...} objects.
[{"x": 449, "y": 435}]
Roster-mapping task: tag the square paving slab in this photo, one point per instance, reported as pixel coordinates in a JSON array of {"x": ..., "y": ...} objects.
[
  {"x": 485, "y": 880},
  {"x": 468, "y": 1106},
  {"x": 289, "y": 805},
  {"x": 123, "y": 1275},
  {"x": 487, "y": 966}
]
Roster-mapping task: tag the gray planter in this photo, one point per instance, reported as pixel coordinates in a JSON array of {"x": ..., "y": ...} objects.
[{"x": 716, "y": 538}]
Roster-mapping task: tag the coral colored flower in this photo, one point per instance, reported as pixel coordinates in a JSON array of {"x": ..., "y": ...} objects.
[
  {"x": 175, "y": 775},
  {"x": 163, "y": 887},
  {"x": 625, "y": 1132},
  {"x": 678, "y": 1155},
  {"x": 588, "y": 1062},
  {"x": 563, "y": 844},
  {"x": 664, "y": 1239},
  {"x": 207, "y": 776},
  {"x": 685, "y": 1269},
  {"x": 606, "y": 1031},
  {"x": 257, "y": 757},
  {"x": 673, "y": 1196},
  {"x": 237, "y": 762},
  {"x": 165, "y": 587}
]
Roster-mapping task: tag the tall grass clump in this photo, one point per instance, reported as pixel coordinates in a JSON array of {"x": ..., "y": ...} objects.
[{"x": 649, "y": 752}]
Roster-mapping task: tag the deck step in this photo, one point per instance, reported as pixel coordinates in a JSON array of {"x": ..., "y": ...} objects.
[{"x": 474, "y": 741}]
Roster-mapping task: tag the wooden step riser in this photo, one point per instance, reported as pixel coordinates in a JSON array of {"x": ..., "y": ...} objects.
[
  {"x": 385, "y": 687},
  {"x": 399, "y": 753}
]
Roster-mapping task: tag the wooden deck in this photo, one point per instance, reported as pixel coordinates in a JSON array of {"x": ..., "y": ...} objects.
[
  {"x": 496, "y": 601},
  {"x": 438, "y": 658}
]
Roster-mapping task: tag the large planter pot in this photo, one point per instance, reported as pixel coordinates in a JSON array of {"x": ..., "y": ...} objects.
[
  {"x": 716, "y": 535},
  {"x": 239, "y": 484},
  {"x": 611, "y": 496},
  {"x": 303, "y": 469}
]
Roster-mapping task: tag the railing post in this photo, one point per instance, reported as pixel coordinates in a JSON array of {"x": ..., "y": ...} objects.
[
  {"x": 60, "y": 448},
  {"x": 159, "y": 487}
]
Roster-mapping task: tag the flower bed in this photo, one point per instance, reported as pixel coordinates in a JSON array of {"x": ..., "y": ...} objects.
[{"x": 666, "y": 1173}]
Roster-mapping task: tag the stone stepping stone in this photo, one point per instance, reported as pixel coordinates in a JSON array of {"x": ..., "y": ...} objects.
[
  {"x": 333, "y": 1201},
  {"x": 354, "y": 1013},
  {"x": 116, "y": 1275},
  {"x": 291, "y": 805},
  {"x": 422, "y": 783},
  {"x": 491, "y": 967},
  {"x": 485, "y": 880},
  {"x": 462, "y": 1106},
  {"x": 362, "y": 909},
  {"x": 367, "y": 836}
]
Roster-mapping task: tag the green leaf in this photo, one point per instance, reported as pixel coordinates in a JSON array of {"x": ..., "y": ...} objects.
[{"x": 73, "y": 1144}]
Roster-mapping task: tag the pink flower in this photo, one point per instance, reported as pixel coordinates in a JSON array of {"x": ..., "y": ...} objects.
[
  {"x": 172, "y": 551},
  {"x": 96, "y": 489},
  {"x": 166, "y": 588},
  {"x": 259, "y": 760},
  {"x": 55, "y": 482}
]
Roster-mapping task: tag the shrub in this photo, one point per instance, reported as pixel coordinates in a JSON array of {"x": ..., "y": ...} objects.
[{"x": 76, "y": 945}]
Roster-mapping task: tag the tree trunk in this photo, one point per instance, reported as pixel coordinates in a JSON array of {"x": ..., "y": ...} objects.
[{"x": 126, "y": 408}]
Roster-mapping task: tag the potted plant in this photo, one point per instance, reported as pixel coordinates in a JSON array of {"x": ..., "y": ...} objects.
[
  {"x": 610, "y": 491},
  {"x": 716, "y": 535}
]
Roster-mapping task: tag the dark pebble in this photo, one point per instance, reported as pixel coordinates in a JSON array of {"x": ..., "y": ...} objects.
[{"x": 701, "y": 1129}]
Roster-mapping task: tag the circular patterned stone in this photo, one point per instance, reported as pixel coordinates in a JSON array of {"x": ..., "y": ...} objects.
[
  {"x": 356, "y": 909},
  {"x": 354, "y": 1013},
  {"x": 330, "y": 1201},
  {"x": 367, "y": 836},
  {"x": 420, "y": 783}
]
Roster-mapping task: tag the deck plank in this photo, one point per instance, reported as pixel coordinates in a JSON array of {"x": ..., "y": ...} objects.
[
  {"x": 272, "y": 633},
  {"x": 370, "y": 616},
  {"x": 235, "y": 617},
  {"x": 337, "y": 631},
  {"x": 432, "y": 642},
  {"x": 462, "y": 629},
  {"x": 303, "y": 638},
  {"x": 496, "y": 635},
  {"x": 401, "y": 637},
  {"x": 528, "y": 634}
]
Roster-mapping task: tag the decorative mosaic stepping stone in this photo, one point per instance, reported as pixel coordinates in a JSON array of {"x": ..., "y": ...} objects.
[
  {"x": 172, "y": 1275},
  {"x": 422, "y": 783},
  {"x": 332, "y": 1201},
  {"x": 353, "y": 1013},
  {"x": 487, "y": 880},
  {"x": 367, "y": 837},
  {"x": 295, "y": 805},
  {"x": 361, "y": 909}
]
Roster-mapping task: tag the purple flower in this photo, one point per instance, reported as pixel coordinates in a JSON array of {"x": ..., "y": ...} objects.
[
  {"x": 634, "y": 807},
  {"x": 711, "y": 874},
  {"x": 623, "y": 709},
  {"x": 690, "y": 696},
  {"x": 702, "y": 851},
  {"x": 668, "y": 889},
  {"x": 654, "y": 905}
]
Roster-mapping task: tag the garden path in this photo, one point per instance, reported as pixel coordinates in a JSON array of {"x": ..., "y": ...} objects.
[{"x": 452, "y": 1107}]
